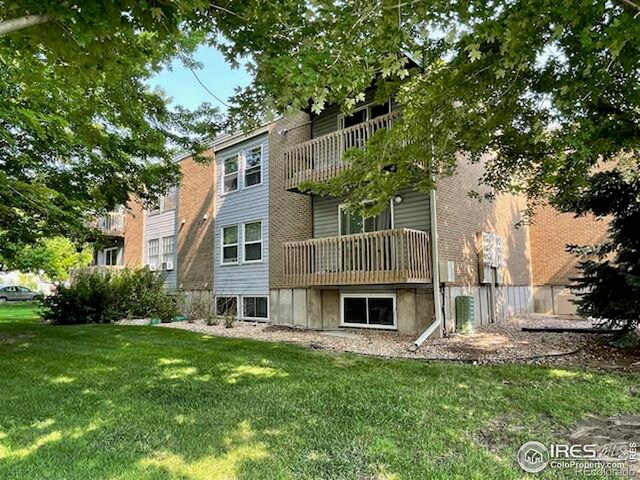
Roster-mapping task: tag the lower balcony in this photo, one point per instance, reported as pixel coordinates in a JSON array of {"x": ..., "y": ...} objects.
[
  {"x": 96, "y": 268},
  {"x": 111, "y": 224},
  {"x": 383, "y": 257}
]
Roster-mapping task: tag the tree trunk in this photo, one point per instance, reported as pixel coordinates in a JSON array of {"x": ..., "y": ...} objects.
[{"x": 9, "y": 26}]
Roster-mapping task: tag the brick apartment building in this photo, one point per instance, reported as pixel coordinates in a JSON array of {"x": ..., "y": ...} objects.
[
  {"x": 238, "y": 231},
  {"x": 553, "y": 266}
]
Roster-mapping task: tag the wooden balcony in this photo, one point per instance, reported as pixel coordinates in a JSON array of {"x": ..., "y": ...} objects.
[
  {"x": 320, "y": 159},
  {"x": 95, "y": 268},
  {"x": 383, "y": 257},
  {"x": 111, "y": 224}
]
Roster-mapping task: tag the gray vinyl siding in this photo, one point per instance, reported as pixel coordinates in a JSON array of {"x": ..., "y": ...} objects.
[
  {"x": 160, "y": 225},
  {"x": 413, "y": 212},
  {"x": 237, "y": 208},
  {"x": 327, "y": 121}
]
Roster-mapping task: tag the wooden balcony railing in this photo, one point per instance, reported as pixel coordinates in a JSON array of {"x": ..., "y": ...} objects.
[
  {"x": 110, "y": 224},
  {"x": 382, "y": 257},
  {"x": 320, "y": 159},
  {"x": 93, "y": 269}
]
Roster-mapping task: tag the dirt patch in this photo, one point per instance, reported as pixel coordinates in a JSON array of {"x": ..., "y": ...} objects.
[
  {"x": 503, "y": 342},
  {"x": 617, "y": 439},
  {"x": 14, "y": 338}
]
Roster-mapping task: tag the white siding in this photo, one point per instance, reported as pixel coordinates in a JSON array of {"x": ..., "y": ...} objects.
[
  {"x": 160, "y": 225},
  {"x": 237, "y": 208}
]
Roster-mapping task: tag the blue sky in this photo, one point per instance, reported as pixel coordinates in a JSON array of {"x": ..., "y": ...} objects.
[{"x": 217, "y": 75}]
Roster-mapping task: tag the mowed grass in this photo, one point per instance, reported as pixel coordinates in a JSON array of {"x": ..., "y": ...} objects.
[
  {"x": 21, "y": 312},
  {"x": 110, "y": 402}
]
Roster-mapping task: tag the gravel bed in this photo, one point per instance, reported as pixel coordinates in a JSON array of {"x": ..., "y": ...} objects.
[{"x": 503, "y": 342}]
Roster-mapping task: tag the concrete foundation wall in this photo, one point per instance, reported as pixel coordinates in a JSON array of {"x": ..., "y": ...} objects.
[
  {"x": 205, "y": 296},
  {"x": 320, "y": 309},
  {"x": 510, "y": 300},
  {"x": 554, "y": 300}
]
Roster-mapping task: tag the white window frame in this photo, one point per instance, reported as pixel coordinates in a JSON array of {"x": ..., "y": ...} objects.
[
  {"x": 255, "y": 319},
  {"x": 161, "y": 201},
  {"x": 245, "y": 243},
  {"x": 104, "y": 255},
  {"x": 238, "y": 306},
  {"x": 173, "y": 249},
  {"x": 157, "y": 255},
  {"x": 239, "y": 168},
  {"x": 368, "y": 325},
  {"x": 366, "y": 107},
  {"x": 244, "y": 167},
  {"x": 342, "y": 206},
  {"x": 237, "y": 244}
]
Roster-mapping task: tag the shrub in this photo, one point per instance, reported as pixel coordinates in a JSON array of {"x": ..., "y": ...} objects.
[
  {"x": 198, "y": 307},
  {"x": 229, "y": 320},
  {"x": 103, "y": 297}
]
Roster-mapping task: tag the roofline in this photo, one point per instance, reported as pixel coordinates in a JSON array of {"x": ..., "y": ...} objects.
[{"x": 226, "y": 140}]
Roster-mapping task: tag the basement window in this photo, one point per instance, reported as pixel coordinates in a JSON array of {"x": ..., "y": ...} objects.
[
  {"x": 368, "y": 310},
  {"x": 227, "y": 306},
  {"x": 255, "y": 308}
]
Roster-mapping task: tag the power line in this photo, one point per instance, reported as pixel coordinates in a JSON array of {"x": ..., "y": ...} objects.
[{"x": 208, "y": 91}]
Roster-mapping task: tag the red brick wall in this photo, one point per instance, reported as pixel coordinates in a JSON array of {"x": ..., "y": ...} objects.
[
  {"x": 551, "y": 232},
  {"x": 133, "y": 234},
  {"x": 196, "y": 235}
]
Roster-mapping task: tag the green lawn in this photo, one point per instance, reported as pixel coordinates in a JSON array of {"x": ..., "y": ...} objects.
[
  {"x": 12, "y": 312},
  {"x": 108, "y": 402}
]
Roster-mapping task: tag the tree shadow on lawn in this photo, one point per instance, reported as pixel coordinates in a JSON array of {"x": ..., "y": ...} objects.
[{"x": 138, "y": 403}]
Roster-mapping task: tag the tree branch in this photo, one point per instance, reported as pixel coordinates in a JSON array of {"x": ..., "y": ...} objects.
[{"x": 9, "y": 26}]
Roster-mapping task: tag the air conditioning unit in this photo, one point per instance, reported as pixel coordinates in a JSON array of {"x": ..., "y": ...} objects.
[
  {"x": 167, "y": 265},
  {"x": 153, "y": 267},
  {"x": 447, "y": 271}
]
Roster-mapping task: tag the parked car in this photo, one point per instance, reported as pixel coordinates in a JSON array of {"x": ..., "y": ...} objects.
[{"x": 17, "y": 294}]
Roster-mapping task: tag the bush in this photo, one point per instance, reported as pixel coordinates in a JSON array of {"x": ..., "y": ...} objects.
[
  {"x": 199, "y": 307},
  {"x": 103, "y": 297}
]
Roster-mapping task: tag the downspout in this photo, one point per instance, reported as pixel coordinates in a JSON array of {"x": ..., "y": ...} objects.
[{"x": 435, "y": 272}]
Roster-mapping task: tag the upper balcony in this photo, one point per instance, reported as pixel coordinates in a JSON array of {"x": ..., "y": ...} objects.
[
  {"x": 320, "y": 159},
  {"x": 111, "y": 224},
  {"x": 381, "y": 257}
]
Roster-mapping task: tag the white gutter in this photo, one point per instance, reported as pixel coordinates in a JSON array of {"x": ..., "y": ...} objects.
[{"x": 435, "y": 273}]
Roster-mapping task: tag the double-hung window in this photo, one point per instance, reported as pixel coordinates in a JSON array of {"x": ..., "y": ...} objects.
[
  {"x": 230, "y": 174},
  {"x": 230, "y": 244},
  {"x": 253, "y": 166},
  {"x": 111, "y": 256},
  {"x": 168, "y": 248},
  {"x": 164, "y": 202},
  {"x": 153, "y": 251},
  {"x": 252, "y": 242}
]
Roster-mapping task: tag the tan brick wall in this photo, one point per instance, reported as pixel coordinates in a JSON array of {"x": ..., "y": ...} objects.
[
  {"x": 196, "y": 235},
  {"x": 290, "y": 217},
  {"x": 551, "y": 232},
  {"x": 461, "y": 217},
  {"x": 133, "y": 234}
]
